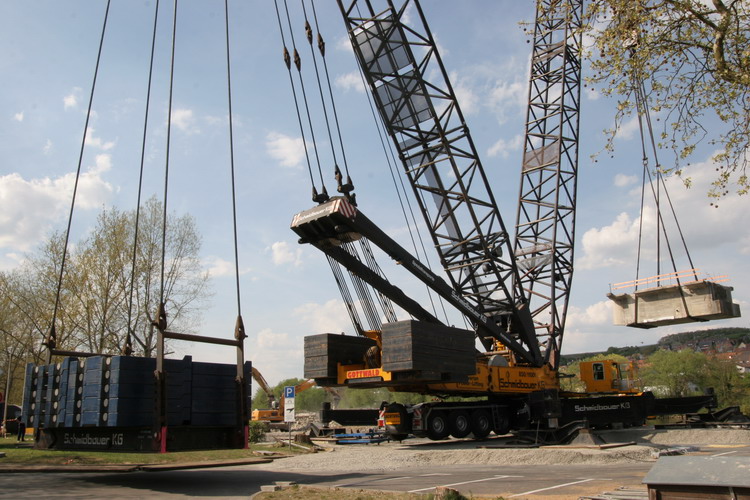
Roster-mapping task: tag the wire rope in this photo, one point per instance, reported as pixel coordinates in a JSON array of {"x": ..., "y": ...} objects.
[
  {"x": 344, "y": 289},
  {"x": 287, "y": 61},
  {"x": 298, "y": 65},
  {"x": 308, "y": 31},
  {"x": 52, "y": 340},
  {"x": 128, "y": 347},
  {"x": 660, "y": 179},
  {"x": 166, "y": 164},
  {"x": 321, "y": 48},
  {"x": 231, "y": 159},
  {"x": 644, "y": 116}
]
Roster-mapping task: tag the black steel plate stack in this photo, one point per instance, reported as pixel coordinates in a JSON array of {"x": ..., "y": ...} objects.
[
  {"x": 324, "y": 351},
  {"x": 419, "y": 346}
]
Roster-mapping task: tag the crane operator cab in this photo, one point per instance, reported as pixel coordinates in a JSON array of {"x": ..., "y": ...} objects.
[{"x": 608, "y": 376}]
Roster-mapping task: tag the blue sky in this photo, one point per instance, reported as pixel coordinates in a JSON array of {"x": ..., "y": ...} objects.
[{"x": 47, "y": 62}]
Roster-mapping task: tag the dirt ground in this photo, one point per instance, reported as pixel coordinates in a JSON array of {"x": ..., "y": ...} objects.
[{"x": 420, "y": 452}]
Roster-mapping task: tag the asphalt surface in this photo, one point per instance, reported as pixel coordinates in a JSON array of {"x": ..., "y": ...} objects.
[{"x": 230, "y": 481}]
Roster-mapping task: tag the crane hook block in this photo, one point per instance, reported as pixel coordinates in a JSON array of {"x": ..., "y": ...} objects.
[{"x": 320, "y": 197}]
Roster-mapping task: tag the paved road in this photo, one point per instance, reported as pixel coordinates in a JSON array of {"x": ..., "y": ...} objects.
[{"x": 242, "y": 481}]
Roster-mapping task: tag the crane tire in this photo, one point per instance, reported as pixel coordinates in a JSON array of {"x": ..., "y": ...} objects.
[
  {"x": 481, "y": 423},
  {"x": 502, "y": 423},
  {"x": 437, "y": 425},
  {"x": 459, "y": 423}
]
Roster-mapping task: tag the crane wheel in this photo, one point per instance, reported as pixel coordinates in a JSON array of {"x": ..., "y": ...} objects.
[
  {"x": 459, "y": 423},
  {"x": 502, "y": 423},
  {"x": 437, "y": 425},
  {"x": 481, "y": 423}
]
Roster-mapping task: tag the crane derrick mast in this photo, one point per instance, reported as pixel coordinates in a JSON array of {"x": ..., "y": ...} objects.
[{"x": 545, "y": 226}]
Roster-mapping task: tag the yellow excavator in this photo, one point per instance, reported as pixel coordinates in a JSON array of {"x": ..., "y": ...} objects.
[{"x": 276, "y": 412}]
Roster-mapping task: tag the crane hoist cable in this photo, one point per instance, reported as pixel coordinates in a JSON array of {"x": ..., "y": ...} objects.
[
  {"x": 323, "y": 195},
  {"x": 656, "y": 185},
  {"x": 343, "y": 187},
  {"x": 51, "y": 341},
  {"x": 127, "y": 347},
  {"x": 231, "y": 163},
  {"x": 161, "y": 315},
  {"x": 374, "y": 307},
  {"x": 338, "y": 275}
]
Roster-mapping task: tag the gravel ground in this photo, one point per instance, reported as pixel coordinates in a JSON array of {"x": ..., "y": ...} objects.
[{"x": 418, "y": 452}]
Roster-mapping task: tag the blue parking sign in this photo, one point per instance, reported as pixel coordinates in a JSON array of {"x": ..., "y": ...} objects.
[{"x": 289, "y": 391}]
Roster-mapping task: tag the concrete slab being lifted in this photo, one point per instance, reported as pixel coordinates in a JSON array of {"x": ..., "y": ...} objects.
[{"x": 674, "y": 304}]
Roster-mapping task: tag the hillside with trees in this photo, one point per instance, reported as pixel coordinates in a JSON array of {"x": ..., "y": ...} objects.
[{"x": 675, "y": 341}]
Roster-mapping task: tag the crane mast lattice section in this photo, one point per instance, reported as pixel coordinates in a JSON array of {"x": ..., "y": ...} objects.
[
  {"x": 546, "y": 212},
  {"x": 441, "y": 163}
]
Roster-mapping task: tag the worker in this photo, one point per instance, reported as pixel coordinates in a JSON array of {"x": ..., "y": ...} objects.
[{"x": 21, "y": 429}]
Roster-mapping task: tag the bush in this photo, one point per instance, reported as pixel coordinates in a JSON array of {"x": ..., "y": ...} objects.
[{"x": 257, "y": 431}]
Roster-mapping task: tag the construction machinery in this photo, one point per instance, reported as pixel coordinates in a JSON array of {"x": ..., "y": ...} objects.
[
  {"x": 276, "y": 413},
  {"x": 513, "y": 293}
]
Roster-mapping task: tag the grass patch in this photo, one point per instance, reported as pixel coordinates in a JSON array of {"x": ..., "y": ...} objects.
[{"x": 30, "y": 456}]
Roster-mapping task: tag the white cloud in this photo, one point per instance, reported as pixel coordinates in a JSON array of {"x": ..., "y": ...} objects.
[
  {"x": 507, "y": 98},
  {"x": 330, "y": 317},
  {"x": 705, "y": 228},
  {"x": 503, "y": 148},
  {"x": 71, "y": 100},
  {"x": 218, "y": 267},
  {"x": 628, "y": 129},
  {"x": 184, "y": 120},
  {"x": 622, "y": 180},
  {"x": 96, "y": 142},
  {"x": 467, "y": 98},
  {"x": 29, "y": 208},
  {"x": 276, "y": 355},
  {"x": 591, "y": 93},
  {"x": 281, "y": 254},
  {"x": 350, "y": 81},
  {"x": 288, "y": 151},
  {"x": 18, "y": 116},
  {"x": 599, "y": 314},
  {"x": 343, "y": 44},
  {"x": 268, "y": 339},
  {"x": 47, "y": 147},
  {"x": 610, "y": 245}
]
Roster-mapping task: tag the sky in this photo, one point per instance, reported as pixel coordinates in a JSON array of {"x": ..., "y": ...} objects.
[{"x": 47, "y": 60}]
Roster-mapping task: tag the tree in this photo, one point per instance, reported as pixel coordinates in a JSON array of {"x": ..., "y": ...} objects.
[
  {"x": 309, "y": 400},
  {"x": 686, "y": 372},
  {"x": 186, "y": 284},
  {"x": 677, "y": 373},
  {"x": 94, "y": 312},
  {"x": 693, "y": 59}
]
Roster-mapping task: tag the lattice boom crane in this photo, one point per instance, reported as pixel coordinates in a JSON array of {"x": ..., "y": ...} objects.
[{"x": 514, "y": 293}]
